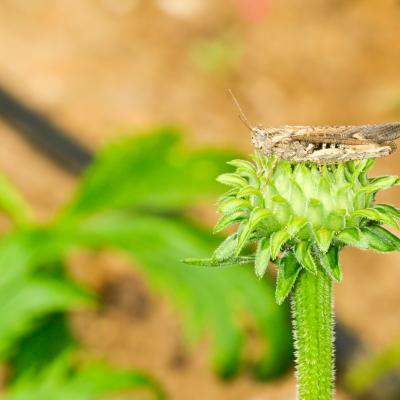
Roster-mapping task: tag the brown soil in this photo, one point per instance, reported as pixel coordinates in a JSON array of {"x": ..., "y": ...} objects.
[{"x": 100, "y": 70}]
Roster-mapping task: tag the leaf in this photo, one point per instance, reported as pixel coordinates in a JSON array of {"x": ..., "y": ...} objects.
[
  {"x": 295, "y": 224},
  {"x": 381, "y": 183},
  {"x": 288, "y": 270},
  {"x": 374, "y": 215},
  {"x": 248, "y": 191},
  {"x": 330, "y": 262},
  {"x": 150, "y": 171},
  {"x": 232, "y": 179},
  {"x": 388, "y": 210},
  {"x": 305, "y": 258},
  {"x": 13, "y": 204},
  {"x": 380, "y": 239},
  {"x": 323, "y": 238},
  {"x": 226, "y": 249},
  {"x": 263, "y": 256},
  {"x": 230, "y": 219},
  {"x": 278, "y": 239},
  {"x": 233, "y": 205},
  {"x": 214, "y": 262},
  {"x": 243, "y": 165},
  {"x": 209, "y": 301},
  {"x": 62, "y": 380},
  {"x": 256, "y": 216},
  {"x": 26, "y": 296},
  {"x": 353, "y": 237}
]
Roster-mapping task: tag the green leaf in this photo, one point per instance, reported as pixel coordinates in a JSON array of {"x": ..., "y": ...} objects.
[
  {"x": 374, "y": 215},
  {"x": 305, "y": 258},
  {"x": 278, "y": 239},
  {"x": 230, "y": 219},
  {"x": 353, "y": 237},
  {"x": 288, "y": 270},
  {"x": 381, "y": 183},
  {"x": 226, "y": 249},
  {"x": 323, "y": 238},
  {"x": 13, "y": 204},
  {"x": 214, "y": 262},
  {"x": 150, "y": 171},
  {"x": 256, "y": 216},
  {"x": 234, "y": 205},
  {"x": 248, "y": 191},
  {"x": 232, "y": 179},
  {"x": 263, "y": 255},
  {"x": 330, "y": 262},
  {"x": 388, "y": 210},
  {"x": 62, "y": 380},
  {"x": 209, "y": 300},
  {"x": 380, "y": 239},
  {"x": 295, "y": 224},
  {"x": 244, "y": 165},
  {"x": 26, "y": 296}
]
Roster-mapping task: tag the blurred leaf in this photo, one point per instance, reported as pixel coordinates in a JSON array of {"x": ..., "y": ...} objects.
[
  {"x": 213, "y": 301},
  {"x": 149, "y": 172},
  {"x": 26, "y": 294},
  {"x": 12, "y": 203},
  {"x": 62, "y": 379}
]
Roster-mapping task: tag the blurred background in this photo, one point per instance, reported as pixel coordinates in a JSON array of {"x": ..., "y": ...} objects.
[{"x": 105, "y": 71}]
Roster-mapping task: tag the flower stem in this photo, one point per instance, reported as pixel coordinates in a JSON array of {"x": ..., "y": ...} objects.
[{"x": 313, "y": 332}]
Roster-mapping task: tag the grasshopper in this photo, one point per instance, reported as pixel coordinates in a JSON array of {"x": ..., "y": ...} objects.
[
  {"x": 323, "y": 144},
  {"x": 326, "y": 144}
]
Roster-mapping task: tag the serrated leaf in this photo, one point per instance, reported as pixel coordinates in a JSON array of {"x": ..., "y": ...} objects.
[
  {"x": 226, "y": 249},
  {"x": 305, "y": 258},
  {"x": 263, "y": 255},
  {"x": 375, "y": 215},
  {"x": 388, "y": 210},
  {"x": 65, "y": 378},
  {"x": 232, "y": 179},
  {"x": 256, "y": 216},
  {"x": 323, "y": 238},
  {"x": 381, "y": 183},
  {"x": 353, "y": 237},
  {"x": 213, "y": 262},
  {"x": 244, "y": 165},
  {"x": 288, "y": 270},
  {"x": 277, "y": 240},
  {"x": 229, "y": 219},
  {"x": 250, "y": 191},
  {"x": 233, "y": 205},
  {"x": 296, "y": 223},
  {"x": 330, "y": 262},
  {"x": 380, "y": 239}
]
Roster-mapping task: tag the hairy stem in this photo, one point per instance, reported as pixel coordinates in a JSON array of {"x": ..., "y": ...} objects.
[{"x": 313, "y": 332}]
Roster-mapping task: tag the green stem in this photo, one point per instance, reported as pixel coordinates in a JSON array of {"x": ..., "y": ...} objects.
[{"x": 313, "y": 332}]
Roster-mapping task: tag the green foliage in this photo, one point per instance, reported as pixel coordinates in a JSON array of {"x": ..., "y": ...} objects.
[
  {"x": 132, "y": 199},
  {"x": 150, "y": 177},
  {"x": 65, "y": 378}
]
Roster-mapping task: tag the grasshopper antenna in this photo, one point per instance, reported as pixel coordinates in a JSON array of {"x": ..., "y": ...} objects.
[{"x": 242, "y": 115}]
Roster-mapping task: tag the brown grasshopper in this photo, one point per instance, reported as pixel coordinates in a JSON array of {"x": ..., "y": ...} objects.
[
  {"x": 327, "y": 144},
  {"x": 324, "y": 144}
]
